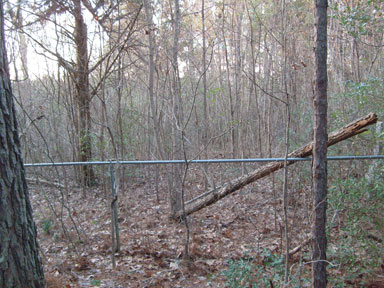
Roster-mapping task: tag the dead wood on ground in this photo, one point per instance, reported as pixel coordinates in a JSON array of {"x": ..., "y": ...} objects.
[
  {"x": 354, "y": 128},
  {"x": 39, "y": 181}
]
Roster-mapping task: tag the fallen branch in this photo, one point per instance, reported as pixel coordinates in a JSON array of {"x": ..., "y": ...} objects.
[
  {"x": 299, "y": 247},
  {"x": 38, "y": 181},
  {"x": 354, "y": 128}
]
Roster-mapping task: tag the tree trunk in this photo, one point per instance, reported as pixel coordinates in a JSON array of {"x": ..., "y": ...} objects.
[
  {"x": 23, "y": 41},
  {"x": 253, "y": 83},
  {"x": 237, "y": 30},
  {"x": 210, "y": 197},
  {"x": 319, "y": 164},
  {"x": 175, "y": 197},
  {"x": 20, "y": 263},
  {"x": 82, "y": 95},
  {"x": 154, "y": 116},
  {"x": 231, "y": 105},
  {"x": 205, "y": 106},
  {"x": 155, "y": 122}
]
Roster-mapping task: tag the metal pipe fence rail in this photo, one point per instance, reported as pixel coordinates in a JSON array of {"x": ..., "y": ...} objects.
[
  {"x": 159, "y": 162},
  {"x": 115, "y": 224}
]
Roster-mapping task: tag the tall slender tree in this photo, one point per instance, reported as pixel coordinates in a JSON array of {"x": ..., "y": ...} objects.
[
  {"x": 205, "y": 108},
  {"x": 82, "y": 93},
  {"x": 20, "y": 265},
  {"x": 177, "y": 112},
  {"x": 319, "y": 166}
]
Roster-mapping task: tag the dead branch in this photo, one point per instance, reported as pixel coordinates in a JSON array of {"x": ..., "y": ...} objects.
[
  {"x": 299, "y": 247},
  {"x": 354, "y": 128},
  {"x": 39, "y": 181}
]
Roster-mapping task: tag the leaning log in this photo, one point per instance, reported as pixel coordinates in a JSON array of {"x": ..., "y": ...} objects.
[{"x": 354, "y": 128}]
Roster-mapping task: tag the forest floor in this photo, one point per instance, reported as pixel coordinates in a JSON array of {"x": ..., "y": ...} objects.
[{"x": 75, "y": 234}]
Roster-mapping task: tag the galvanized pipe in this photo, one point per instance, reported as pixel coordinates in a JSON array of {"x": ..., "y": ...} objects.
[{"x": 159, "y": 162}]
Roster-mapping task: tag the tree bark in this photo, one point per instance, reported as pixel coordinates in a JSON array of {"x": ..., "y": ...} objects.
[
  {"x": 319, "y": 164},
  {"x": 348, "y": 131},
  {"x": 83, "y": 95},
  {"x": 175, "y": 197},
  {"x": 156, "y": 126},
  {"x": 20, "y": 264},
  {"x": 205, "y": 106},
  {"x": 229, "y": 86},
  {"x": 238, "y": 19}
]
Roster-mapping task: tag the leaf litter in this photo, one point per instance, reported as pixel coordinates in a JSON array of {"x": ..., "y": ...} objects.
[{"x": 76, "y": 252}]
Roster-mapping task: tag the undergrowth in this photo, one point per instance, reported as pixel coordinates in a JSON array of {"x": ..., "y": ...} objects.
[
  {"x": 355, "y": 241},
  {"x": 265, "y": 270},
  {"x": 355, "y": 229}
]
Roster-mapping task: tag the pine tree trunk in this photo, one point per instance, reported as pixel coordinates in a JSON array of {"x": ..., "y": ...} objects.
[
  {"x": 319, "y": 164},
  {"x": 20, "y": 265}
]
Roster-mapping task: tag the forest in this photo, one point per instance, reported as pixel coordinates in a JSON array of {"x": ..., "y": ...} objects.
[{"x": 116, "y": 82}]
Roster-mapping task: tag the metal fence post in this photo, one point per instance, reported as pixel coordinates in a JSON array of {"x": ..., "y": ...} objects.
[{"x": 115, "y": 220}]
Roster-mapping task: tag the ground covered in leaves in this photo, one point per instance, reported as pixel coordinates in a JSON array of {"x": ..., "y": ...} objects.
[{"x": 74, "y": 228}]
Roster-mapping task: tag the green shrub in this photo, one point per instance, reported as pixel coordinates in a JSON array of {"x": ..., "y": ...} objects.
[
  {"x": 357, "y": 231},
  {"x": 96, "y": 282},
  {"x": 47, "y": 226},
  {"x": 246, "y": 272}
]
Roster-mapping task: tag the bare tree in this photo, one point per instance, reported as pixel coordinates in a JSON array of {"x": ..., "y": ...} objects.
[
  {"x": 205, "y": 108},
  {"x": 177, "y": 114},
  {"x": 18, "y": 22}
]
